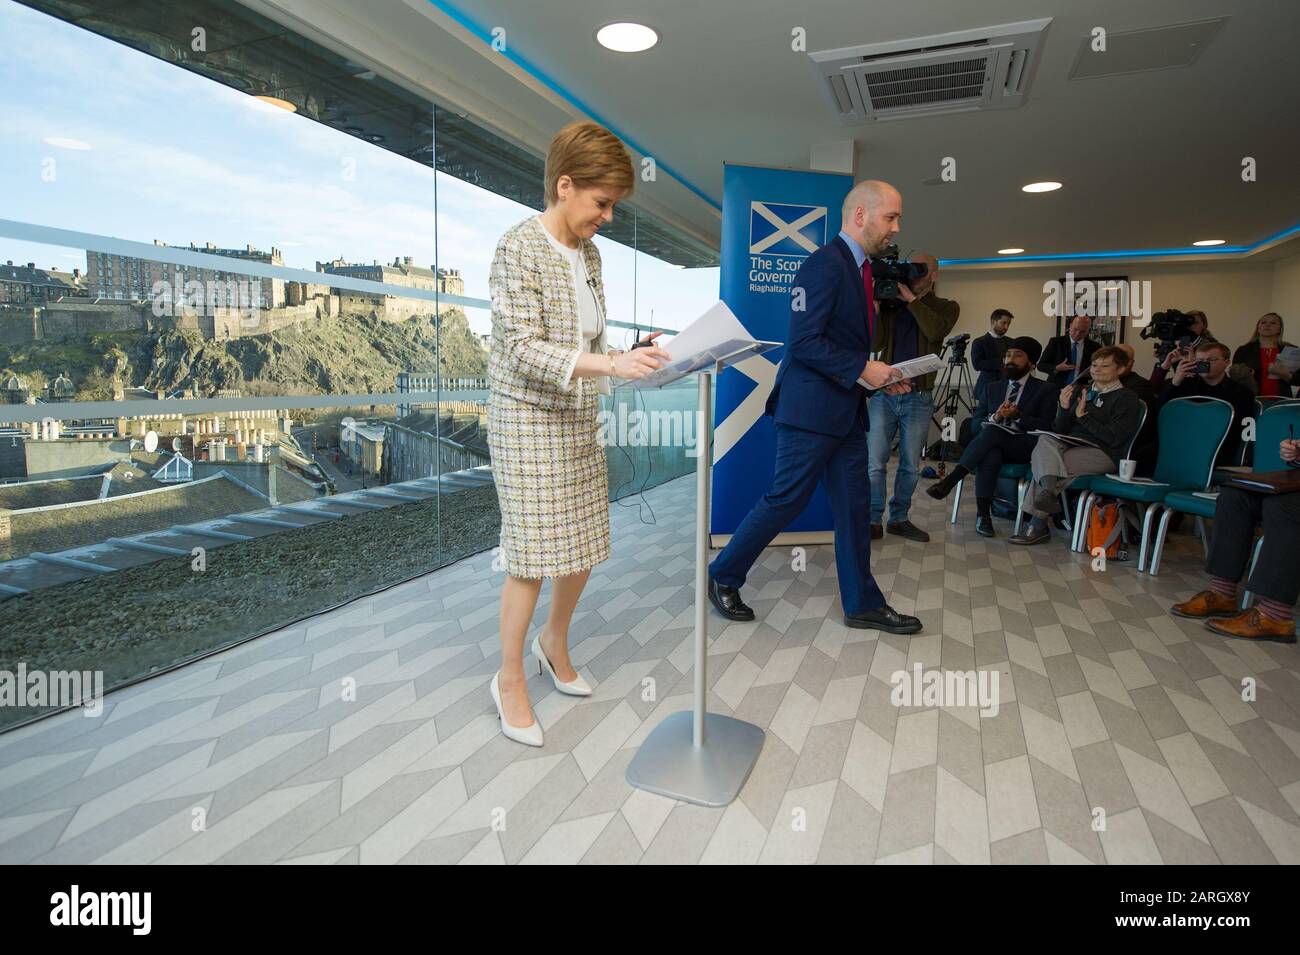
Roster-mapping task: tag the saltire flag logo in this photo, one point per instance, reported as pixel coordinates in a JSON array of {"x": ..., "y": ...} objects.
[{"x": 784, "y": 229}]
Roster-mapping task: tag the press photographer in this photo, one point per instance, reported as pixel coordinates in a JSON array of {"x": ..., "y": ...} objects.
[{"x": 914, "y": 321}]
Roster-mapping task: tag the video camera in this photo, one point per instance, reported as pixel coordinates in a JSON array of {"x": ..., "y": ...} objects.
[
  {"x": 1168, "y": 328},
  {"x": 887, "y": 271}
]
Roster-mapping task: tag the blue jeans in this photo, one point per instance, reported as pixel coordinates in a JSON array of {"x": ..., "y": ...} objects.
[{"x": 908, "y": 416}]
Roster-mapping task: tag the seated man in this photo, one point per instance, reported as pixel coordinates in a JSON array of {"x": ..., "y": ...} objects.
[
  {"x": 1214, "y": 382},
  {"x": 1103, "y": 415},
  {"x": 1000, "y": 426},
  {"x": 1276, "y": 579},
  {"x": 1147, "y": 445}
]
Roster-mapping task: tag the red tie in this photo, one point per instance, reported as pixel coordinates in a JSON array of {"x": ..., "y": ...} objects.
[{"x": 871, "y": 308}]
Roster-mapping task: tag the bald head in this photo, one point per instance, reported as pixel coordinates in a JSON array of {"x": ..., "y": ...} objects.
[
  {"x": 1127, "y": 349},
  {"x": 871, "y": 214}
]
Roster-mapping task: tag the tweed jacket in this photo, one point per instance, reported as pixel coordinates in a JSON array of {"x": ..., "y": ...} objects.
[{"x": 536, "y": 331}]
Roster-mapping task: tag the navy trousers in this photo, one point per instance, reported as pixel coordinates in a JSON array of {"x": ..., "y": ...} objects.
[
  {"x": 988, "y": 450},
  {"x": 803, "y": 458}
]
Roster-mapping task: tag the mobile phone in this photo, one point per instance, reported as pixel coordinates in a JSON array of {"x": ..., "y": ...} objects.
[{"x": 1202, "y": 368}]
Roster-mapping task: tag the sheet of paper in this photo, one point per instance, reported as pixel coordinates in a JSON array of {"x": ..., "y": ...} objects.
[
  {"x": 1068, "y": 439},
  {"x": 715, "y": 335},
  {"x": 915, "y": 367}
]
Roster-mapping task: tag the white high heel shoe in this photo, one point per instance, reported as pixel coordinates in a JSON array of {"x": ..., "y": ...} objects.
[
  {"x": 528, "y": 735},
  {"x": 576, "y": 687}
]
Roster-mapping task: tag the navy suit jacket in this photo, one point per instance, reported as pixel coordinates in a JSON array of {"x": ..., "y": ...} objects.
[
  {"x": 1037, "y": 405},
  {"x": 986, "y": 354},
  {"x": 817, "y": 384},
  {"x": 1058, "y": 350}
]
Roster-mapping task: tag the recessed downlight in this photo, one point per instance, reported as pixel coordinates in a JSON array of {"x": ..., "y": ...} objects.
[
  {"x": 626, "y": 37},
  {"x": 1041, "y": 187},
  {"x": 1206, "y": 242},
  {"x": 1010, "y": 251}
]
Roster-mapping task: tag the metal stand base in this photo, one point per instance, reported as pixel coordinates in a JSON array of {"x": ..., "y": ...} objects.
[
  {"x": 670, "y": 764},
  {"x": 693, "y": 755}
]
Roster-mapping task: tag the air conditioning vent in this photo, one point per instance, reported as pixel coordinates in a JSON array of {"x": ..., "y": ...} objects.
[{"x": 954, "y": 72}]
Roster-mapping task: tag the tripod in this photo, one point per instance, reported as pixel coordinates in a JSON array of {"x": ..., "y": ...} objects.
[{"x": 948, "y": 396}]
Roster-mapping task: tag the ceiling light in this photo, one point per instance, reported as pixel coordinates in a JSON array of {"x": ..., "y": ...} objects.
[
  {"x": 277, "y": 102},
  {"x": 1204, "y": 242},
  {"x": 1041, "y": 187},
  {"x": 626, "y": 37},
  {"x": 1010, "y": 251}
]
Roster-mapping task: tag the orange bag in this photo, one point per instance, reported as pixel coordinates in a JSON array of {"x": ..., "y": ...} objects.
[{"x": 1105, "y": 530}]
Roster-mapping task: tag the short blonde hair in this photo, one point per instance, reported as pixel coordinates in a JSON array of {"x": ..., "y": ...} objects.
[{"x": 590, "y": 155}]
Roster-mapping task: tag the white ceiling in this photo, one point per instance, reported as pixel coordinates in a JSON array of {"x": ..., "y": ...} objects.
[{"x": 1149, "y": 160}]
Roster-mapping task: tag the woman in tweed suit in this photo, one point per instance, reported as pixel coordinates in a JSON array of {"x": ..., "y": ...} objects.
[{"x": 548, "y": 362}]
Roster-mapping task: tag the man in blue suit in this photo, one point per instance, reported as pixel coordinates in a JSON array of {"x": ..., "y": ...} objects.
[
  {"x": 819, "y": 406},
  {"x": 1000, "y": 426}
]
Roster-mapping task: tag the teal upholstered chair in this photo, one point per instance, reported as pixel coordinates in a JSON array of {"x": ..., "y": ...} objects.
[
  {"x": 1192, "y": 430},
  {"x": 1279, "y": 420},
  {"x": 1020, "y": 472},
  {"x": 1083, "y": 484}
]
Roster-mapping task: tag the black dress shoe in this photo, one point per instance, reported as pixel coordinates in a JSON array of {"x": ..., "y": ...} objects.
[
  {"x": 984, "y": 527},
  {"x": 1003, "y": 509},
  {"x": 884, "y": 618},
  {"x": 1031, "y": 536},
  {"x": 727, "y": 601},
  {"x": 877, "y": 531},
  {"x": 907, "y": 530}
]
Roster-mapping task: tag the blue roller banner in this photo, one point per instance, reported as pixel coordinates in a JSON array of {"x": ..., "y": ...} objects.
[{"x": 772, "y": 220}]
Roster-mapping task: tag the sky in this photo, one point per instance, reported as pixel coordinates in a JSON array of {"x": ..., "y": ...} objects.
[{"x": 102, "y": 138}]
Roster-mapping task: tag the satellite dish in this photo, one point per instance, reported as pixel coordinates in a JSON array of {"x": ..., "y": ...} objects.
[
  {"x": 176, "y": 444},
  {"x": 151, "y": 441}
]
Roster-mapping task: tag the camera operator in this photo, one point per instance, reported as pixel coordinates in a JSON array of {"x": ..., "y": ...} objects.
[
  {"x": 1205, "y": 372},
  {"x": 1066, "y": 354},
  {"x": 910, "y": 326},
  {"x": 1197, "y": 333}
]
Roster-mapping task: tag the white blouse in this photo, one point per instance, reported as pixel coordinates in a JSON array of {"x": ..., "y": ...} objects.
[{"x": 588, "y": 308}]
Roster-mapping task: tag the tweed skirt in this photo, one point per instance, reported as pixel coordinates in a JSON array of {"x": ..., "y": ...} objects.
[{"x": 552, "y": 486}]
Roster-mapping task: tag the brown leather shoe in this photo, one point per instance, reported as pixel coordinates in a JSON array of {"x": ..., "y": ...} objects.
[
  {"x": 1208, "y": 603},
  {"x": 877, "y": 531},
  {"x": 1253, "y": 625}
]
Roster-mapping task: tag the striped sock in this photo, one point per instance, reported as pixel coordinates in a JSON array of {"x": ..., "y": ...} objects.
[
  {"x": 1275, "y": 609},
  {"x": 1226, "y": 588}
]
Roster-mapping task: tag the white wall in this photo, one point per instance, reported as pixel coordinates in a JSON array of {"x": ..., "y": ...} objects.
[{"x": 1233, "y": 295}]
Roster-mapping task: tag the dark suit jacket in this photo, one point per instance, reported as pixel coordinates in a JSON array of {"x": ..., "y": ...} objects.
[
  {"x": 1037, "y": 404},
  {"x": 986, "y": 354},
  {"x": 1057, "y": 351},
  {"x": 817, "y": 384},
  {"x": 1248, "y": 355}
]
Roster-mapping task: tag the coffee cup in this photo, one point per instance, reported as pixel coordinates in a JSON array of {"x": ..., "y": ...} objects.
[{"x": 1127, "y": 468}]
